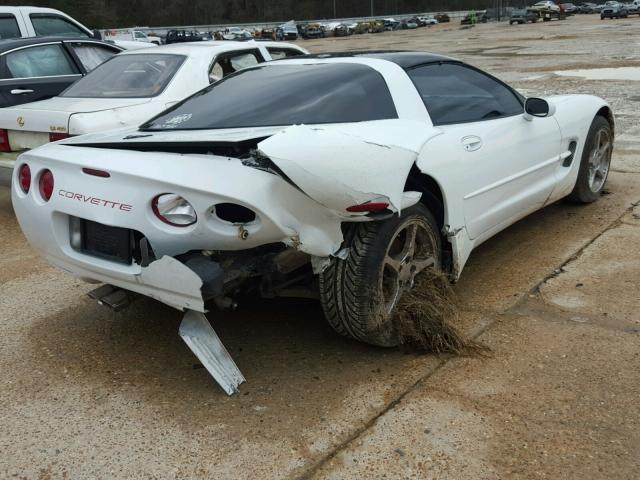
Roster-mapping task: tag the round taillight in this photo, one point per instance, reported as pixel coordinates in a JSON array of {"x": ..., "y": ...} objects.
[
  {"x": 46, "y": 185},
  {"x": 24, "y": 177},
  {"x": 173, "y": 210}
]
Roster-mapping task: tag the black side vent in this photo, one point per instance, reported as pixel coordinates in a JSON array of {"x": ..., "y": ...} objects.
[{"x": 572, "y": 148}]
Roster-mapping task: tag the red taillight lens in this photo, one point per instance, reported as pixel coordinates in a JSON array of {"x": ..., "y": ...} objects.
[
  {"x": 368, "y": 207},
  {"x": 96, "y": 173},
  {"x": 46, "y": 185},
  {"x": 24, "y": 177},
  {"x": 173, "y": 210},
  {"x": 54, "y": 137},
  {"x": 4, "y": 141}
]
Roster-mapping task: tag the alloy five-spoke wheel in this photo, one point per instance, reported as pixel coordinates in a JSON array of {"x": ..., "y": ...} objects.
[
  {"x": 595, "y": 162},
  {"x": 360, "y": 294},
  {"x": 411, "y": 251},
  {"x": 599, "y": 160}
]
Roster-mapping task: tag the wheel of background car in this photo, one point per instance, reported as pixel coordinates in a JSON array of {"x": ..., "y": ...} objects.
[
  {"x": 595, "y": 162},
  {"x": 360, "y": 294}
]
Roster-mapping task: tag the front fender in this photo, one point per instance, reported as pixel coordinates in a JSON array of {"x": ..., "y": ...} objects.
[{"x": 574, "y": 115}]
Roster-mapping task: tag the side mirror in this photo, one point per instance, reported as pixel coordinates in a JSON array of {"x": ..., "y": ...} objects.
[
  {"x": 537, "y": 107},
  {"x": 97, "y": 35}
]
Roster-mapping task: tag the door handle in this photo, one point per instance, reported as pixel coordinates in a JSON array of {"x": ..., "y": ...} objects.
[
  {"x": 471, "y": 143},
  {"x": 19, "y": 91}
]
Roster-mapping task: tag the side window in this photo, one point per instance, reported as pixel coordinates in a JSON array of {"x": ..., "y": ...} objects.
[
  {"x": 457, "y": 94},
  {"x": 278, "y": 53},
  {"x": 140, "y": 35},
  {"x": 39, "y": 61},
  {"x": 9, "y": 27},
  {"x": 54, "y": 25},
  {"x": 91, "y": 55},
  {"x": 228, "y": 63}
]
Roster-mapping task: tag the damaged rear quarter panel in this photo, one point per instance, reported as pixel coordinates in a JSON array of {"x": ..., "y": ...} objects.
[{"x": 343, "y": 165}]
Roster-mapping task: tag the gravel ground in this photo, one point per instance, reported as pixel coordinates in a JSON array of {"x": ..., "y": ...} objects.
[{"x": 87, "y": 393}]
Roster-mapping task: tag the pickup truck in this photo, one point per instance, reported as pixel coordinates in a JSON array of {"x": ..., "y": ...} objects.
[{"x": 24, "y": 22}]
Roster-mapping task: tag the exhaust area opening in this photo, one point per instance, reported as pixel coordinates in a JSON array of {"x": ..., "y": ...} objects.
[{"x": 234, "y": 213}]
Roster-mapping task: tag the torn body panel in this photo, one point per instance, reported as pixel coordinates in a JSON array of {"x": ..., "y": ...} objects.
[
  {"x": 166, "y": 280},
  {"x": 460, "y": 249},
  {"x": 173, "y": 283},
  {"x": 344, "y": 165}
]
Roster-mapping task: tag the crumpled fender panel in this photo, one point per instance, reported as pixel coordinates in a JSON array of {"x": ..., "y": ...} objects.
[{"x": 344, "y": 165}]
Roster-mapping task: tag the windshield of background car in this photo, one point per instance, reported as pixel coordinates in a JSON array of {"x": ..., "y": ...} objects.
[
  {"x": 284, "y": 95},
  {"x": 128, "y": 76}
]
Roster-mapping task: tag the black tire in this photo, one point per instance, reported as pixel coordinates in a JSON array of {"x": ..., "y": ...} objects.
[
  {"x": 353, "y": 291},
  {"x": 588, "y": 189}
]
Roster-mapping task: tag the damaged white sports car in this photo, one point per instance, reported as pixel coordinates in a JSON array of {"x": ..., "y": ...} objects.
[{"x": 363, "y": 169}]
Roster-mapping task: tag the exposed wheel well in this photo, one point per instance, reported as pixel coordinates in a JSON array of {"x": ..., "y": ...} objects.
[
  {"x": 431, "y": 194},
  {"x": 433, "y": 199},
  {"x": 608, "y": 114}
]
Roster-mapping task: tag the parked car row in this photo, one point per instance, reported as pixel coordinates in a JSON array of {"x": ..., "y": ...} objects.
[
  {"x": 545, "y": 10},
  {"x": 292, "y": 31},
  {"x": 619, "y": 10},
  {"x": 632, "y": 8}
]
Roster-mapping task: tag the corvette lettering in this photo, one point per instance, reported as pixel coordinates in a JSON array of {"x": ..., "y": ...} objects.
[{"x": 95, "y": 201}]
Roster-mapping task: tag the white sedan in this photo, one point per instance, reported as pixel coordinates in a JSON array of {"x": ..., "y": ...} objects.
[
  {"x": 128, "y": 89},
  {"x": 546, "y": 5},
  {"x": 289, "y": 169}
]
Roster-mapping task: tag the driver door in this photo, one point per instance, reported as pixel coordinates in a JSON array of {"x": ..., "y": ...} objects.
[{"x": 503, "y": 164}]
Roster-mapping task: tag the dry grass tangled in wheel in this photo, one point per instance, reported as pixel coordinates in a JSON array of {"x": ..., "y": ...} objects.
[{"x": 424, "y": 315}]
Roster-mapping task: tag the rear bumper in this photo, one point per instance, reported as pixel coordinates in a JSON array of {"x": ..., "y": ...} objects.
[
  {"x": 166, "y": 280},
  {"x": 283, "y": 215}
]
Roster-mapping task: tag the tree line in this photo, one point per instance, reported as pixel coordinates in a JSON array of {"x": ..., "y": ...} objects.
[{"x": 129, "y": 13}]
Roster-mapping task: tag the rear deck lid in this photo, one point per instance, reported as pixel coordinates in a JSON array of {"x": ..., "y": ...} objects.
[
  {"x": 29, "y": 125},
  {"x": 53, "y": 115}
]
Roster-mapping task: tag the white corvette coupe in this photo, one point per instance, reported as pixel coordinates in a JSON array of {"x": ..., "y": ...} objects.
[
  {"x": 358, "y": 170},
  {"x": 129, "y": 89}
]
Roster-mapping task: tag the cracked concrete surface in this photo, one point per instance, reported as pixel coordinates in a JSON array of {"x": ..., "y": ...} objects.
[{"x": 87, "y": 393}]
